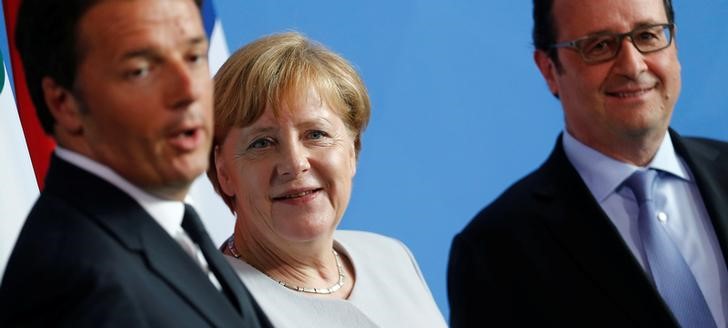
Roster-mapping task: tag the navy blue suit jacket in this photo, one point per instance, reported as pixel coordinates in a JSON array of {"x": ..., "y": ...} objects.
[
  {"x": 90, "y": 256},
  {"x": 545, "y": 254}
]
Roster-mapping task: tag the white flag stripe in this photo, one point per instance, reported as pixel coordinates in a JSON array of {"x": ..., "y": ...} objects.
[
  {"x": 217, "y": 218},
  {"x": 219, "y": 51},
  {"x": 19, "y": 188}
]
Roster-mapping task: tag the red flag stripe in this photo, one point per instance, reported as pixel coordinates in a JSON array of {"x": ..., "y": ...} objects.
[{"x": 40, "y": 145}]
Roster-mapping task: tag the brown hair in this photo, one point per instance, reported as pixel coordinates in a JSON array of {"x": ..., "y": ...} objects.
[
  {"x": 544, "y": 26},
  {"x": 47, "y": 37}
]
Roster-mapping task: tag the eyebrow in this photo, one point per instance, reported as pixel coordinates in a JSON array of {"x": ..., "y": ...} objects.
[
  {"x": 150, "y": 52},
  {"x": 269, "y": 129},
  {"x": 641, "y": 24},
  {"x": 314, "y": 121},
  {"x": 198, "y": 40},
  {"x": 263, "y": 129}
]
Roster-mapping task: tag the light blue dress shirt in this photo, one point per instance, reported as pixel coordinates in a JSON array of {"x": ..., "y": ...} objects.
[{"x": 676, "y": 196}]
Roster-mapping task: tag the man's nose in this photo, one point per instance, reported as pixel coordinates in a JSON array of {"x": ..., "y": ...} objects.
[
  {"x": 186, "y": 82},
  {"x": 629, "y": 62}
]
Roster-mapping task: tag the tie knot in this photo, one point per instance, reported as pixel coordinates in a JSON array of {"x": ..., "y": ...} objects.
[{"x": 641, "y": 183}]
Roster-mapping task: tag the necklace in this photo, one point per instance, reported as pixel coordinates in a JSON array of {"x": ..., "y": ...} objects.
[{"x": 330, "y": 290}]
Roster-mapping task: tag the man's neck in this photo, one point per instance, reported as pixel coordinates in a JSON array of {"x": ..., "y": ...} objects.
[{"x": 637, "y": 150}]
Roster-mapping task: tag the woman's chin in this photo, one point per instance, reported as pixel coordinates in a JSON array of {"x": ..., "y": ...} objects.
[
  {"x": 303, "y": 224},
  {"x": 305, "y": 233}
]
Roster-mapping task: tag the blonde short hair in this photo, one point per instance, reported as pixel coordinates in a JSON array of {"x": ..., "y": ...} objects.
[{"x": 272, "y": 71}]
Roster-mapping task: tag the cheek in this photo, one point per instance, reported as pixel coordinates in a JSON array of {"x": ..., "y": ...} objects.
[
  {"x": 245, "y": 182},
  {"x": 672, "y": 71},
  {"x": 124, "y": 135},
  {"x": 582, "y": 89},
  {"x": 339, "y": 165},
  {"x": 340, "y": 169}
]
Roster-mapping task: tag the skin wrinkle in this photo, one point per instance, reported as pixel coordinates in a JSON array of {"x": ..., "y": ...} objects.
[
  {"x": 290, "y": 192},
  {"x": 628, "y": 129},
  {"x": 291, "y": 243}
]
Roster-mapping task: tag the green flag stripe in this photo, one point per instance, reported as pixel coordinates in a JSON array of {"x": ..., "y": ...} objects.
[{"x": 2, "y": 72}]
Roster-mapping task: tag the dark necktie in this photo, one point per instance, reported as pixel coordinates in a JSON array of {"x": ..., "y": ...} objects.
[
  {"x": 670, "y": 273},
  {"x": 193, "y": 226}
]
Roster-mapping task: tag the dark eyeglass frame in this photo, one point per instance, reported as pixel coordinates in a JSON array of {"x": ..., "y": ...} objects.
[{"x": 578, "y": 44}]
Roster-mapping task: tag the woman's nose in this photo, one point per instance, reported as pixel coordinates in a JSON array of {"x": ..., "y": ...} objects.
[{"x": 294, "y": 160}]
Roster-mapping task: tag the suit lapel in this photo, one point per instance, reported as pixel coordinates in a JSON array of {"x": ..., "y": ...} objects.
[
  {"x": 708, "y": 166},
  {"x": 123, "y": 218},
  {"x": 579, "y": 224},
  {"x": 177, "y": 268},
  {"x": 215, "y": 260},
  {"x": 231, "y": 284}
]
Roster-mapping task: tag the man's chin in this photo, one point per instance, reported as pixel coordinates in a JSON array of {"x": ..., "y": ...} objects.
[
  {"x": 176, "y": 183},
  {"x": 172, "y": 190}
]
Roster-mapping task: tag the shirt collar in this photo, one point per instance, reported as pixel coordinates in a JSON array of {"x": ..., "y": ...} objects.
[
  {"x": 167, "y": 213},
  {"x": 603, "y": 174}
]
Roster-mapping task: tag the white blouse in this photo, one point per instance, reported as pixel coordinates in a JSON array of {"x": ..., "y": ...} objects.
[{"x": 389, "y": 290}]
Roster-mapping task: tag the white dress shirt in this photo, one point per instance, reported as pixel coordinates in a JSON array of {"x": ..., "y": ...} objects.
[
  {"x": 678, "y": 197},
  {"x": 167, "y": 213}
]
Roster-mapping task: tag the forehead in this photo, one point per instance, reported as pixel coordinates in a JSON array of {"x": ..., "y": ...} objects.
[
  {"x": 114, "y": 26},
  {"x": 295, "y": 99},
  {"x": 575, "y": 18},
  {"x": 301, "y": 104}
]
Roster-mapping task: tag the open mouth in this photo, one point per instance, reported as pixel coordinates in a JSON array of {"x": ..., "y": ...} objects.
[
  {"x": 189, "y": 133},
  {"x": 297, "y": 194},
  {"x": 187, "y": 139}
]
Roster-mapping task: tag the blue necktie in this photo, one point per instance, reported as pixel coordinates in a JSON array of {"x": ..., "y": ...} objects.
[{"x": 670, "y": 273}]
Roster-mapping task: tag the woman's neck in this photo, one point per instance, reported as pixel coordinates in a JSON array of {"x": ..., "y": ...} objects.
[{"x": 302, "y": 266}]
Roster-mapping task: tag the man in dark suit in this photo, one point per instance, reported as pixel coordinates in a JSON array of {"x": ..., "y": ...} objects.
[
  {"x": 582, "y": 241},
  {"x": 123, "y": 87}
]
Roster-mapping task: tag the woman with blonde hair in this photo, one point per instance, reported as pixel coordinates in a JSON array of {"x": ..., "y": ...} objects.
[{"x": 289, "y": 115}]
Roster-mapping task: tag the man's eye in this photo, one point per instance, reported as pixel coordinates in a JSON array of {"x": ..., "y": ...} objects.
[
  {"x": 648, "y": 36},
  {"x": 599, "y": 45},
  {"x": 196, "y": 58},
  {"x": 137, "y": 73}
]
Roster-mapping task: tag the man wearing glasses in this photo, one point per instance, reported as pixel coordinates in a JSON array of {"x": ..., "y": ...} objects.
[{"x": 626, "y": 223}]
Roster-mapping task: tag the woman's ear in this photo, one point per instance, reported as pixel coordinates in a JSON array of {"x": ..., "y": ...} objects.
[
  {"x": 223, "y": 176},
  {"x": 354, "y": 160},
  {"x": 63, "y": 106}
]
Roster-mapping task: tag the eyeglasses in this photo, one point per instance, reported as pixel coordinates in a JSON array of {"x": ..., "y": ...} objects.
[{"x": 605, "y": 46}]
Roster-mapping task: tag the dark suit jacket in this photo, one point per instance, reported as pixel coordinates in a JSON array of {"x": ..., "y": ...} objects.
[
  {"x": 545, "y": 254},
  {"x": 90, "y": 256}
]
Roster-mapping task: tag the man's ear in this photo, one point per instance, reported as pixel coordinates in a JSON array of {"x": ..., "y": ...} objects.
[
  {"x": 63, "y": 105},
  {"x": 548, "y": 69}
]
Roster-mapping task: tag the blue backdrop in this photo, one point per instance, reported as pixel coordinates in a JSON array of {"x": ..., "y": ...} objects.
[{"x": 459, "y": 109}]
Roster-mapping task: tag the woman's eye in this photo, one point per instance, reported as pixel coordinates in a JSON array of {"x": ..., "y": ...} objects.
[
  {"x": 260, "y": 143},
  {"x": 316, "y": 134}
]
